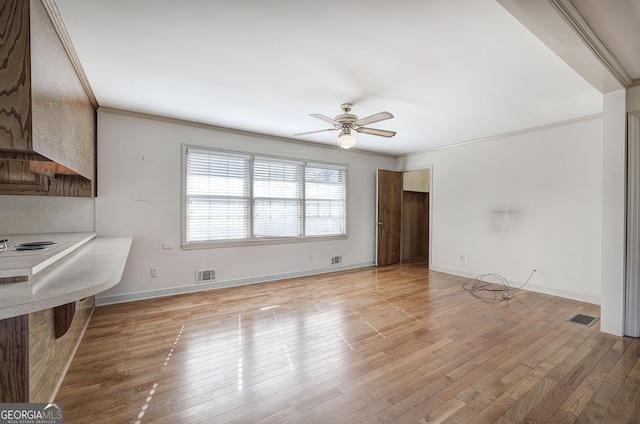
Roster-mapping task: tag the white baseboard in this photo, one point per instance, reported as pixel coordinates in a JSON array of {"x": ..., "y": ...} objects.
[
  {"x": 582, "y": 297},
  {"x": 192, "y": 288}
]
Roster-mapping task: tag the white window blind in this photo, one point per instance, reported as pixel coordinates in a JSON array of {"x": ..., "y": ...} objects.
[
  {"x": 325, "y": 196},
  {"x": 277, "y": 192},
  {"x": 239, "y": 197},
  {"x": 218, "y": 196}
]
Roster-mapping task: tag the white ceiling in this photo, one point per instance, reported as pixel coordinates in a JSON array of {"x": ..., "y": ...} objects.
[{"x": 450, "y": 71}]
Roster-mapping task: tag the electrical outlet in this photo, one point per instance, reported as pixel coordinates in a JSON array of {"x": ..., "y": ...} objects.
[
  {"x": 461, "y": 258},
  {"x": 154, "y": 272}
]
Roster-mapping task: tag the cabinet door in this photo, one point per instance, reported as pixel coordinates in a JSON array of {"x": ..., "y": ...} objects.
[
  {"x": 15, "y": 81},
  {"x": 14, "y": 361}
]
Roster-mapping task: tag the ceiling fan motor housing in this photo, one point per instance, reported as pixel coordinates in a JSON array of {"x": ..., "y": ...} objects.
[{"x": 346, "y": 119}]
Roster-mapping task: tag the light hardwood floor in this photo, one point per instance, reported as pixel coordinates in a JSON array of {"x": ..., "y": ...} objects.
[{"x": 395, "y": 344}]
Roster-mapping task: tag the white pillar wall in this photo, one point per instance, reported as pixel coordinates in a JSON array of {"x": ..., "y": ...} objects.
[
  {"x": 613, "y": 213},
  {"x": 632, "y": 277}
]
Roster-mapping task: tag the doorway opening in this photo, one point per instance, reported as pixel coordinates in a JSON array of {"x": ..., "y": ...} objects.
[{"x": 403, "y": 216}]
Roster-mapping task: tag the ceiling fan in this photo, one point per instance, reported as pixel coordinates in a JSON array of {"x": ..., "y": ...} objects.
[{"x": 346, "y": 122}]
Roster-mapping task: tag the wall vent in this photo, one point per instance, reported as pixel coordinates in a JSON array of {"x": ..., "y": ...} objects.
[
  {"x": 205, "y": 275},
  {"x": 336, "y": 260}
]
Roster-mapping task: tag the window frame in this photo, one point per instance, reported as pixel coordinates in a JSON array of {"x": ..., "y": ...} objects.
[{"x": 253, "y": 240}]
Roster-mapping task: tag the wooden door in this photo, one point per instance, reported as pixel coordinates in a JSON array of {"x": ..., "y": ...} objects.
[{"x": 388, "y": 217}]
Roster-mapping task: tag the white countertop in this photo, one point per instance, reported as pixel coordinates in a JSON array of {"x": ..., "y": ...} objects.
[
  {"x": 94, "y": 267},
  {"x": 29, "y": 263}
]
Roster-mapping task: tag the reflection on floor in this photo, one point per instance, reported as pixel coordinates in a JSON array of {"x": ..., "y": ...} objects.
[{"x": 394, "y": 344}]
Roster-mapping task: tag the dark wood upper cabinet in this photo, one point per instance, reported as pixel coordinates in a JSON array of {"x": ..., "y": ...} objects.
[{"x": 47, "y": 116}]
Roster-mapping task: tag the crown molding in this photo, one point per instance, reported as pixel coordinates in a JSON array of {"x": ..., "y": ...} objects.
[
  {"x": 508, "y": 134},
  {"x": 56, "y": 19},
  {"x": 559, "y": 25},
  {"x": 194, "y": 124},
  {"x": 579, "y": 24}
]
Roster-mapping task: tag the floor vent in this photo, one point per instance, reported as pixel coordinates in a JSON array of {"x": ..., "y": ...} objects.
[
  {"x": 205, "y": 275},
  {"x": 336, "y": 260},
  {"x": 583, "y": 320}
]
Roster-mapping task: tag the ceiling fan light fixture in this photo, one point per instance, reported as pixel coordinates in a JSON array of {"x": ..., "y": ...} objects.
[{"x": 346, "y": 140}]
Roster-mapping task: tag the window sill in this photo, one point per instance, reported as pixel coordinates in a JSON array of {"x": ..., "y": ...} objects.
[{"x": 261, "y": 242}]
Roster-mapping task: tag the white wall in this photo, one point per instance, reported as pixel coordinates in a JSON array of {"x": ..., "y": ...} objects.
[
  {"x": 139, "y": 194},
  {"x": 521, "y": 202}
]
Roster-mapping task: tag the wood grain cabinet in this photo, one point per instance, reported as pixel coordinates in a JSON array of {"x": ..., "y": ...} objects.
[
  {"x": 47, "y": 110},
  {"x": 34, "y": 355}
]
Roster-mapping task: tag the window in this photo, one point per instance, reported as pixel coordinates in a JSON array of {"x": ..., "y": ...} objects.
[
  {"x": 325, "y": 198},
  {"x": 277, "y": 198},
  {"x": 231, "y": 197},
  {"x": 218, "y": 196}
]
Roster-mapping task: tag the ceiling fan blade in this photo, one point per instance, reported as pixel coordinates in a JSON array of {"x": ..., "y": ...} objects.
[
  {"x": 317, "y": 131},
  {"x": 381, "y": 116},
  {"x": 327, "y": 119},
  {"x": 374, "y": 131}
]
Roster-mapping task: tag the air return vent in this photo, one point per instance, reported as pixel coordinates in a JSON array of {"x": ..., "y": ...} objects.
[
  {"x": 583, "y": 319},
  {"x": 205, "y": 275},
  {"x": 336, "y": 260}
]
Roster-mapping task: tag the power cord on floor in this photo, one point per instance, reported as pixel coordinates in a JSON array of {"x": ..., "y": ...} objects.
[{"x": 492, "y": 291}]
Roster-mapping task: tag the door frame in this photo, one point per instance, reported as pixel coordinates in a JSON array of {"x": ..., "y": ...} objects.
[{"x": 430, "y": 212}]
